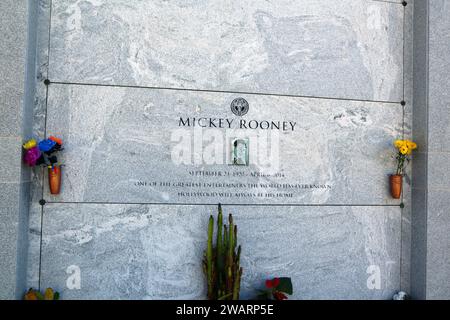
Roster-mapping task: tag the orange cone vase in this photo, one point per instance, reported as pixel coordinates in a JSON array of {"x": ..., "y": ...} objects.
[
  {"x": 54, "y": 179},
  {"x": 396, "y": 181}
]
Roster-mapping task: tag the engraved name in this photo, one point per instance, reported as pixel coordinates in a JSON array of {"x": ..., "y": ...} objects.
[{"x": 237, "y": 124}]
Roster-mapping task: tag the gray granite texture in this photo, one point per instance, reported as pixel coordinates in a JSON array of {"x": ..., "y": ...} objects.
[
  {"x": 348, "y": 49},
  {"x": 155, "y": 252},
  {"x": 133, "y": 133},
  {"x": 17, "y": 48},
  {"x": 8, "y": 262},
  {"x": 13, "y": 28},
  {"x": 439, "y": 75},
  {"x": 438, "y": 185},
  {"x": 431, "y": 189},
  {"x": 438, "y": 245},
  {"x": 10, "y": 157}
]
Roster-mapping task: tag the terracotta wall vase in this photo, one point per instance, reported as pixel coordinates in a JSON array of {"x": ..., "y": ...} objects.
[
  {"x": 54, "y": 179},
  {"x": 396, "y": 181}
]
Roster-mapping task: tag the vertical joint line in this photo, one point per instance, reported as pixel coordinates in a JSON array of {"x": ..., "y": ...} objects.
[
  {"x": 427, "y": 126},
  {"x": 49, "y": 37},
  {"x": 403, "y": 137},
  {"x": 45, "y": 134},
  {"x": 40, "y": 249}
]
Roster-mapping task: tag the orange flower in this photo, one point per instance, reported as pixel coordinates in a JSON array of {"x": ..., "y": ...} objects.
[{"x": 57, "y": 140}]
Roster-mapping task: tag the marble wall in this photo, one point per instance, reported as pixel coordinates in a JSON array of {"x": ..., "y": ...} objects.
[
  {"x": 154, "y": 251},
  {"x": 349, "y": 49},
  {"x": 119, "y": 72}
]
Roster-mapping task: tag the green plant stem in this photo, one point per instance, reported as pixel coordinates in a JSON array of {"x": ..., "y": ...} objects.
[
  {"x": 400, "y": 163},
  {"x": 219, "y": 254},
  {"x": 209, "y": 258}
]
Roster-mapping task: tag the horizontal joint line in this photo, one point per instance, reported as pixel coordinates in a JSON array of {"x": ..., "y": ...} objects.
[
  {"x": 223, "y": 91},
  {"x": 228, "y": 204}
]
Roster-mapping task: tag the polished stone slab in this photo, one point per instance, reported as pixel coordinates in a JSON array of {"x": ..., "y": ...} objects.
[
  {"x": 10, "y": 157},
  {"x": 438, "y": 242},
  {"x": 439, "y": 110},
  {"x": 155, "y": 252},
  {"x": 17, "y": 47},
  {"x": 436, "y": 239},
  {"x": 8, "y": 262},
  {"x": 13, "y": 28},
  {"x": 123, "y": 145},
  {"x": 34, "y": 245},
  {"x": 349, "y": 49}
]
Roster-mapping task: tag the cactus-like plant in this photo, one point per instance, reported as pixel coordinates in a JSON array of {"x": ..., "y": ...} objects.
[{"x": 221, "y": 262}]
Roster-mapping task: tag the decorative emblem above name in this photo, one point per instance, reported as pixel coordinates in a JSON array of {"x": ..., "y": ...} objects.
[{"x": 239, "y": 107}]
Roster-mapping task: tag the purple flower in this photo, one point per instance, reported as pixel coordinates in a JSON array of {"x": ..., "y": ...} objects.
[
  {"x": 32, "y": 156},
  {"x": 46, "y": 145}
]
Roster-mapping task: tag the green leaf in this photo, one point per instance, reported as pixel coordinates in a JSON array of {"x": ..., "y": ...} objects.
[
  {"x": 264, "y": 295},
  {"x": 39, "y": 295},
  {"x": 56, "y": 296},
  {"x": 285, "y": 285}
]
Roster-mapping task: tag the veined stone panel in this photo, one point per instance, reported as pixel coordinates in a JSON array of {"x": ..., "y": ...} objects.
[
  {"x": 155, "y": 252},
  {"x": 133, "y": 145},
  {"x": 348, "y": 48}
]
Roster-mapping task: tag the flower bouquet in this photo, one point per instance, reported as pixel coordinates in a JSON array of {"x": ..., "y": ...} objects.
[
  {"x": 405, "y": 148},
  {"x": 49, "y": 294},
  {"x": 276, "y": 289},
  {"x": 44, "y": 153}
]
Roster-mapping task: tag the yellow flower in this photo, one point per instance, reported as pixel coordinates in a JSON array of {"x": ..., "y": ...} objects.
[
  {"x": 404, "y": 150},
  {"x": 411, "y": 145},
  {"x": 30, "y": 144},
  {"x": 405, "y": 146},
  {"x": 49, "y": 294},
  {"x": 398, "y": 143}
]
